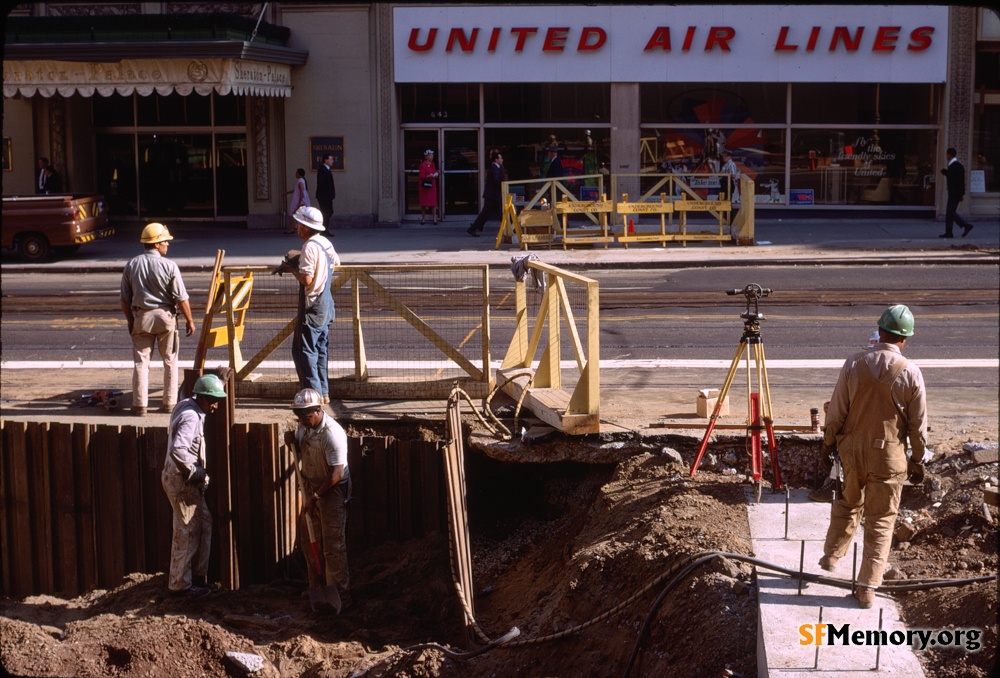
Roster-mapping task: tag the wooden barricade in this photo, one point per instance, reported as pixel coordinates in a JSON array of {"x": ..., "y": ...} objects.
[
  {"x": 626, "y": 209},
  {"x": 602, "y": 208},
  {"x": 83, "y": 505}
]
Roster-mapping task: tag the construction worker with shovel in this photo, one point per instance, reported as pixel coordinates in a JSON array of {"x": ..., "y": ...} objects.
[{"x": 325, "y": 483}]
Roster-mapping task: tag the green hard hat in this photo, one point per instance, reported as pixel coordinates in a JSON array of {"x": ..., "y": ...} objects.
[
  {"x": 210, "y": 385},
  {"x": 897, "y": 320}
]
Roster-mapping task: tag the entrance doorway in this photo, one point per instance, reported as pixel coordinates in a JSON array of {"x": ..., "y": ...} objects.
[{"x": 456, "y": 154}]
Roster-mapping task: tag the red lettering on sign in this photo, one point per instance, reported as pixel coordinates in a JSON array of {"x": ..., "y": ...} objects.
[
  {"x": 842, "y": 34},
  {"x": 813, "y": 37},
  {"x": 467, "y": 44},
  {"x": 688, "y": 38},
  {"x": 555, "y": 40},
  {"x": 588, "y": 32},
  {"x": 920, "y": 38},
  {"x": 782, "y": 44},
  {"x": 494, "y": 38},
  {"x": 428, "y": 44},
  {"x": 885, "y": 39},
  {"x": 522, "y": 35},
  {"x": 660, "y": 38},
  {"x": 719, "y": 35}
]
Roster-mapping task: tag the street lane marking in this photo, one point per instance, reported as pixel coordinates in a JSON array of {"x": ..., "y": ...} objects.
[{"x": 653, "y": 363}]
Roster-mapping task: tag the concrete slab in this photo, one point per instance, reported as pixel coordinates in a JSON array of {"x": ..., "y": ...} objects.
[{"x": 784, "y": 612}]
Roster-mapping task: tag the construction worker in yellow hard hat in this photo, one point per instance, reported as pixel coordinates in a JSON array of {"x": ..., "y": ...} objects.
[{"x": 152, "y": 293}]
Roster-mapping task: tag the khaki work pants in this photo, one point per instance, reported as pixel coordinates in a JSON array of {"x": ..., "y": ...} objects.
[
  {"x": 329, "y": 520},
  {"x": 192, "y": 539},
  {"x": 154, "y": 327}
]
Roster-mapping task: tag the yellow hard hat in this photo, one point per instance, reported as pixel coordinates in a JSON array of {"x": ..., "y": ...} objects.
[{"x": 154, "y": 233}]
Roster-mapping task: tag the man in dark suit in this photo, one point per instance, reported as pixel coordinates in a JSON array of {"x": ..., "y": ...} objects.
[
  {"x": 325, "y": 189},
  {"x": 492, "y": 194},
  {"x": 954, "y": 173},
  {"x": 555, "y": 166}
]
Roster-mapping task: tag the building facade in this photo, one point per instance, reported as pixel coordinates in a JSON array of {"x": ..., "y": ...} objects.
[{"x": 198, "y": 111}]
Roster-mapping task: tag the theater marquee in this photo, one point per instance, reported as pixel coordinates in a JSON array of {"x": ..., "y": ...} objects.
[{"x": 698, "y": 43}]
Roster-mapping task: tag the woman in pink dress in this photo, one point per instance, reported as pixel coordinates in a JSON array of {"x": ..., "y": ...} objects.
[
  {"x": 300, "y": 197},
  {"x": 428, "y": 190}
]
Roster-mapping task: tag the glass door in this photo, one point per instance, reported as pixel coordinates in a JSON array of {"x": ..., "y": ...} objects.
[
  {"x": 460, "y": 165},
  {"x": 415, "y": 142}
]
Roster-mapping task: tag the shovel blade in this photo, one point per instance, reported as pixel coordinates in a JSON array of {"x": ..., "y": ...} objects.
[
  {"x": 332, "y": 596},
  {"x": 316, "y": 599}
]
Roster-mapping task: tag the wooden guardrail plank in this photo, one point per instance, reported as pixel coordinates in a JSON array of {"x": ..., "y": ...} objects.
[
  {"x": 85, "y": 536},
  {"x": 64, "y": 509},
  {"x": 15, "y": 444},
  {"x": 7, "y": 508},
  {"x": 41, "y": 508},
  {"x": 134, "y": 532}
]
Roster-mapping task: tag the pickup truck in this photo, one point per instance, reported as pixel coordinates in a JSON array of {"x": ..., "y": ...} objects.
[{"x": 37, "y": 226}]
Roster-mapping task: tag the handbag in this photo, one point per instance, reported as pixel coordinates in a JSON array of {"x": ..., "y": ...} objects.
[{"x": 427, "y": 183}]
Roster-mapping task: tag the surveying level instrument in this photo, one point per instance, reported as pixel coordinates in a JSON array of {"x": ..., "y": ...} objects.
[{"x": 758, "y": 409}]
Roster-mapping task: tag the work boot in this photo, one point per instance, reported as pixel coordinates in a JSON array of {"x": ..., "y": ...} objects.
[
  {"x": 865, "y": 596},
  {"x": 823, "y": 494},
  {"x": 191, "y": 592},
  {"x": 345, "y": 598},
  {"x": 828, "y": 562}
]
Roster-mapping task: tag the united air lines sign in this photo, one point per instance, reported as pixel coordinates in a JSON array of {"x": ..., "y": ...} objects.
[{"x": 661, "y": 43}]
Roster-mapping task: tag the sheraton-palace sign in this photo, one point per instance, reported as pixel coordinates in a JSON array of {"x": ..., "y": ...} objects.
[{"x": 809, "y": 43}]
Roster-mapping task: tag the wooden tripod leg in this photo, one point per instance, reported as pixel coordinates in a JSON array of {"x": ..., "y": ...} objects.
[
  {"x": 718, "y": 406},
  {"x": 772, "y": 442}
]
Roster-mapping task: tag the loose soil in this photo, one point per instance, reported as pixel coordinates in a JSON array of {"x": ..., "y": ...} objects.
[{"x": 555, "y": 545}]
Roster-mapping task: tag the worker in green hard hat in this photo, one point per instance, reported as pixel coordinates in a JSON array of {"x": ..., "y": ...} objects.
[
  {"x": 878, "y": 404},
  {"x": 185, "y": 480}
]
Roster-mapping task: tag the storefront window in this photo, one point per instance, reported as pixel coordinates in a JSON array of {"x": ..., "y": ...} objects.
[
  {"x": 721, "y": 103},
  {"x": 174, "y": 110},
  {"x": 863, "y": 166},
  {"x": 986, "y": 117},
  {"x": 439, "y": 103},
  {"x": 759, "y": 154},
  {"x": 114, "y": 111},
  {"x": 175, "y": 175},
  {"x": 230, "y": 110},
  {"x": 864, "y": 103},
  {"x": 587, "y": 103},
  {"x": 580, "y": 151}
]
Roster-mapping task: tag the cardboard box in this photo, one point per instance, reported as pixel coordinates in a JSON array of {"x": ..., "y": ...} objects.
[{"x": 707, "y": 399}]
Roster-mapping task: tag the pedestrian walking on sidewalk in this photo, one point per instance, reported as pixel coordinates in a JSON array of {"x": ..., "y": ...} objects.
[
  {"x": 152, "y": 292},
  {"x": 326, "y": 190},
  {"x": 185, "y": 480},
  {"x": 316, "y": 264},
  {"x": 954, "y": 173},
  {"x": 322, "y": 445},
  {"x": 495, "y": 176},
  {"x": 300, "y": 198},
  {"x": 878, "y": 404}
]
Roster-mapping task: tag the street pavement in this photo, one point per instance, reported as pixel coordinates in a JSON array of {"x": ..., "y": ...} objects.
[{"x": 800, "y": 240}]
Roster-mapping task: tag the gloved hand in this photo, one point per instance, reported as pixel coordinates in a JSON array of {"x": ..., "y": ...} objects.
[
  {"x": 197, "y": 477},
  {"x": 204, "y": 484},
  {"x": 915, "y": 472}
]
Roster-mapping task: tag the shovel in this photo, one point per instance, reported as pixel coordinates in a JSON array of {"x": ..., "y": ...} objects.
[{"x": 329, "y": 594}]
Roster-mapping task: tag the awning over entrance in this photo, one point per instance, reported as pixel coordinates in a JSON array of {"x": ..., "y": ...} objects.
[{"x": 145, "y": 76}]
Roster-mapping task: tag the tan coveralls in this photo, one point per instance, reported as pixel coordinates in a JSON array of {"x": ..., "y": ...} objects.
[
  {"x": 878, "y": 403},
  {"x": 323, "y": 448}
]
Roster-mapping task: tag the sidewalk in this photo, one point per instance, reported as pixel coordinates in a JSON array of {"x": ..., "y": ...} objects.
[{"x": 844, "y": 241}]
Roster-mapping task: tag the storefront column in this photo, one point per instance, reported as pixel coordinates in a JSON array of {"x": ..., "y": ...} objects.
[
  {"x": 387, "y": 139},
  {"x": 625, "y": 136},
  {"x": 957, "y": 128}
]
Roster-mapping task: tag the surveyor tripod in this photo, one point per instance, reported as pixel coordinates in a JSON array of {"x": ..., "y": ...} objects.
[{"x": 758, "y": 410}]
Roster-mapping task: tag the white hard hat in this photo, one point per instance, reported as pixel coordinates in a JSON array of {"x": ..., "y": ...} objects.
[
  {"x": 307, "y": 398},
  {"x": 310, "y": 217}
]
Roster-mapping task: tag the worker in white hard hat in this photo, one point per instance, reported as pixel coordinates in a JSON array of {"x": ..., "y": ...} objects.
[
  {"x": 878, "y": 404},
  {"x": 152, "y": 294},
  {"x": 185, "y": 480},
  {"x": 322, "y": 445},
  {"x": 317, "y": 262}
]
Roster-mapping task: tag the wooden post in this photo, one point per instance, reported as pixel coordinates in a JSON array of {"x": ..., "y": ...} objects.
[{"x": 206, "y": 324}]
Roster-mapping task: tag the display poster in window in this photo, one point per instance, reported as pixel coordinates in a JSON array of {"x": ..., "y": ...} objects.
[
  {"x": 801, "y": 196},
  {"x": 977, "y": 181},
  {"x": 321, "y": 146}
]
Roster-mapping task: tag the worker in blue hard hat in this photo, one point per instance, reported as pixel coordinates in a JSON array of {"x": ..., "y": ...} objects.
[{"x": 878, "y": 405}]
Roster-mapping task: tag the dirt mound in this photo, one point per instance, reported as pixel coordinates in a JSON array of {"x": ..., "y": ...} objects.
[{"x": 576, "y": 556}]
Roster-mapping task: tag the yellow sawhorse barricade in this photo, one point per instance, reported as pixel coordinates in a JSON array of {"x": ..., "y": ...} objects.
[
  {"x": 663, "y": 208},
  {"x": 580, "y": 236}
]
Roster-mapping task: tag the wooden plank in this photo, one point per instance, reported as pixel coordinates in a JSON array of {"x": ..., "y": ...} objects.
[
  {"x": 355, "y": 512},
  {"x": 268, "y": 501},
  {"x": 432, "y": 499},
  {"x": 134, "y": 532},
  {"x": 369, "y": 481},
  {"x": 152, "y": 451},
  {"x": 257, "y": 511},
  {"x": 108, "y": 519},
  {"x": 86, "y": 539},
  {"x": 242, "y": 522},
  {"x": 404, "y": 488},
  {"x": 378, "y": 448},
  {"x": 64, "y": 551},
  {"x": 219, "y": 496},
  {"x": 41, "y": 506},
  {"x": 392, "y": 484},
  {"x": 22, "y": 573},
  {"x": 6, "y": 510}
]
